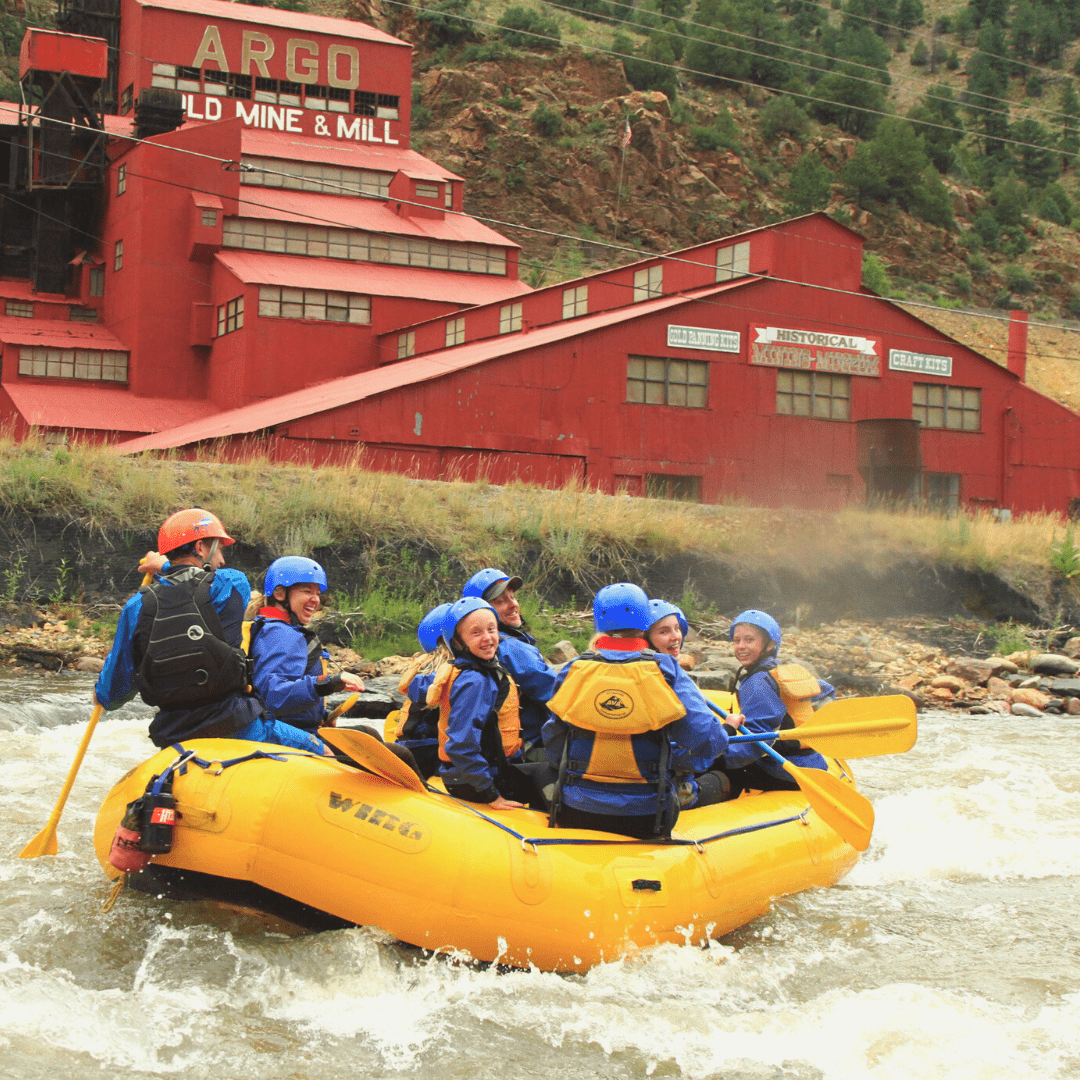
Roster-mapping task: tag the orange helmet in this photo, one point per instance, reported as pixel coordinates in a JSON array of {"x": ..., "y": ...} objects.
[{"x": 186, "y": 526}]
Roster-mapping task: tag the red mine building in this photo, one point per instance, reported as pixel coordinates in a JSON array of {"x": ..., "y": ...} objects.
[{"x": 215, "y": 230}]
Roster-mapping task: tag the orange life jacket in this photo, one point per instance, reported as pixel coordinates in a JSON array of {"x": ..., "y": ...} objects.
[{"x": 508, "y": 715}]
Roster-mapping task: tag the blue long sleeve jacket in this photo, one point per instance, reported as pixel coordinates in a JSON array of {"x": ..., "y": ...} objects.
[
  {"x": 286, "y": 674},
  {"x": 472, "y": 699},
  {"x": 533, "y": 675},
  {"x": 229, "y": 593},
  {"x": 696, "y": 740},
  {"x": 764, "y": 710}
]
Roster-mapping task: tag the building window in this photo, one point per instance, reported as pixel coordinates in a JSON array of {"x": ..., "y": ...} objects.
[
  {"x": 121, "y": 179},
  {"x": 733, "y": 261},
  {"x": 654, "y": 381},
  {"x": 455, "y": 331},
  {"x": 427, "y": 191},
  {"x": 813, "y": 393},
  {"x": 97, "y": 364},
  {"x": 406, "y": 345},
  {"x": 648, "y": 283},
  {"x": 359, "y": 246},
  {"x": 958, "y": 408},
  {"x": 509, "y": 318},
  {"x": 230, "y": 316},
  {"x": 448, "y": 196},
  {"x": 226, "y": 83},
  {"x": 939, "y": 491},
  {"x": 82, "y": 314},
  {"x": 97, "y": 282},
  {"x": 118, "y": 255},
  {"x": 312, "y": 176},
  {"x": 279, "y": 302},
  {"x": 665, "y": 486},
  {"x": 126, "y": 96},
  {"x": 22, "y": 309},
  {"x": 384, "y": 106},
  {"x": 209, "y": 217},
  {"x": 575, "y": 301}
]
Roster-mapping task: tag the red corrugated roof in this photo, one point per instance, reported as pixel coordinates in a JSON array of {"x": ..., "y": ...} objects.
[
  {"x": 57, "y": 334},
  {"x": 100, "y": 408},
  {"x": 268, "y": 16},
  {"x": 287, "y": 147},
  {"x": 374, "y": 215},
  {"x": 340, "y": 275},
  {"x": 20, "y": 289},
  {"x": 350, "y": 388}
]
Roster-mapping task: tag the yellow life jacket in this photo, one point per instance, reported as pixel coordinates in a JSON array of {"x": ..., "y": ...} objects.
[
  {"x": 796, "y": 686},
  {"x": 615, "y": 701},
  {"x": 508, "y": 716},
  {"x": 403, "y": 687}
]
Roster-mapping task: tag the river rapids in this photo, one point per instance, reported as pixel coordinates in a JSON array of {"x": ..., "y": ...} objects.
[{"x": 951, "y": 951}]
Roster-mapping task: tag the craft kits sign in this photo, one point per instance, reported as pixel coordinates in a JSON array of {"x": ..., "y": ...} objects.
[
  {"x": 811, "y": 350},
  {"x": 921, "y": 363},
  {"x": 703, "y": 337}
]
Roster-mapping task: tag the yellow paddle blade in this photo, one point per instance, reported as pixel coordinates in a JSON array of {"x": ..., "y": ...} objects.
[
  {"x": 342, "y": 709},
  {"x": 372, "y": 755},
  {"x": 837, "y": 803},
  {"x": 861, "y": 727},
  {"x": 42, "y": 844}
]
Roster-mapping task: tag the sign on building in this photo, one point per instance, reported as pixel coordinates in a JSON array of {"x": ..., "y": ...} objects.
[
  {"x": 921, "y": 363},
  {"x": 704, "y": 337},
  {"x": 808, "y": 350}
]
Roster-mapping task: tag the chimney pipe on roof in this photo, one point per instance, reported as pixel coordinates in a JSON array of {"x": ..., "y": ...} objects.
[{"x": 1018, "y": 328}]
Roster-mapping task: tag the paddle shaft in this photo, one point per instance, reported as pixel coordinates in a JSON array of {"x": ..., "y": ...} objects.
[{"x": 45, "y": 841}]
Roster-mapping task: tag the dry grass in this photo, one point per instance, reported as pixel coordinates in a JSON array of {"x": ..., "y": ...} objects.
[{"x": 296, "y": 509}]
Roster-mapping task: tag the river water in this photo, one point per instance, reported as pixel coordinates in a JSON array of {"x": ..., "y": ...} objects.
[{"x": 951, "y": 951}]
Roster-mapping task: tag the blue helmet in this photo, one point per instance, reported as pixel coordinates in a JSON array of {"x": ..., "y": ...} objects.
[
  {"x": 457, "y": 611},
  {"x": 427, "y": 633},
  {"x": 762, "y": 620},
  {"x": 661, "y": 609},
  {"x": 621, "y": 607},
  {"x": 293, "y": 570},
  {"x": 489, "y": 583}
]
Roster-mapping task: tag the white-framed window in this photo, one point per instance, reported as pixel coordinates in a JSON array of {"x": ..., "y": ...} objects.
[
  {"x": 509, "y": 318},
  {"x": 118, "y": 255},
  {"x": 97, "y": 281},
  {"x": 956, "y": 408},
  {"x": 281, "y": 302},
  {"x": 121, "y": 179},
  {"x": 648, "y": 283},
  {"x": 359, "y": 246},
  {"x": 813, "y": 393},
  {"x": 406, "y": 344},
  {"x": 209, "y": 217},
  {"x": 230, "y": 316},
  {"x": 22, "y": 309},
  {"x": 733, "y": 261},
  {"x": 427, "y": 191},
  {"x": 455, "y": 331},
  {"x": 575, "y": 301},
  {"x": 98, "y": 364},
  {"x": 654, "y": 380},
  {"x": 312, "y": 176},
  {"x": 82, "y": 314}
]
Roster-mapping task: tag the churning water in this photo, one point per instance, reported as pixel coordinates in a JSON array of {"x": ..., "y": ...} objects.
[{"x": 951, "y": 951}]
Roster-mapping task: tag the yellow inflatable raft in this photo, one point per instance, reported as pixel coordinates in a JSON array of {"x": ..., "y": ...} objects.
[{"x": 443, "y": 874}]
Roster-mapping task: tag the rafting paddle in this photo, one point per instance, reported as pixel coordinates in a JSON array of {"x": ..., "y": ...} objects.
[
  {"x": 370, "y": 754},
  {"x": 838, "y": 804},
  {"x": 854, "y": 727},
  {"x": 45, "y": 841},
  {"x": 342, "y": 709}
]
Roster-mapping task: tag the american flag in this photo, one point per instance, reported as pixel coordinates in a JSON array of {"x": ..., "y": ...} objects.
[{"x": 624, "y": 139}]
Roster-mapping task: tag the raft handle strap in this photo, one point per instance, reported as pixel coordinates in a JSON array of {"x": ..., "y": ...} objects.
[{"x": 190, "y": 755}]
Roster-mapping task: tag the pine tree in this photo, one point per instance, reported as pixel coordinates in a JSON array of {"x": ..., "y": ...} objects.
[{"x": 1070, "y": 124}]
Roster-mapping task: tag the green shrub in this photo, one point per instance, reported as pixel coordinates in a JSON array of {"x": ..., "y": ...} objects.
[
  {"x": 782, "y": 115},
  {"x": 546, "y": 120},
  {"x": 875, "y": 274},
  {"x": 523, "y": 28}
]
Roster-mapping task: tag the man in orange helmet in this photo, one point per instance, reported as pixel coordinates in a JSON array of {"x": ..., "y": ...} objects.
[{"x": 178, "y": 643}]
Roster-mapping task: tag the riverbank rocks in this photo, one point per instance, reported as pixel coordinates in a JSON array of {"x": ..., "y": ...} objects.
[
  {"x": 1054, "y": 664},
  {"x": 1020, "y": 709},
  {"x": 561, "y": 653},
  {"x": 1030, "y": 696},
  {"x": 977, "y": 672}
]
